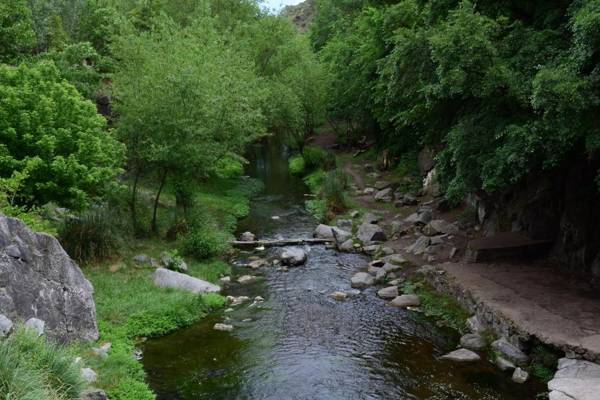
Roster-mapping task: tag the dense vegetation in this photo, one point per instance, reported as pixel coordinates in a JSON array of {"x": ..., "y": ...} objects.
[{"x": 500, "y": 89}]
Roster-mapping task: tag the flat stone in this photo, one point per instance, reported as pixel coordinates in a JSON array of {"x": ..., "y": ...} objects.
[
  {"x": 339, "y": 296},
  {"x": 461, "y": 355},
  {"x": 371, "y": 233},
  {"x": 395, "y": 259},
  {"x": 388, "y": 292},
  {"x": 406, "y": 300},
  {"x": 362, "y": 280},
  {"x": 475, "y": 325},
  {"x": 520, "y": 376},
  {"x": 419, "y": 246},
  {"x": 35, "y": 325},
  {"x": 246, "y": 279},
  {"x": 510, "y": 352},
  {"x": 88, "y": 375},
  {"x": 371, "y": 249},
  {"x": 576, "y": 379},
  {"x": 175, "y": 280},
  {"x": 247, "y": 237},
  {"x": 473, "y": 341},
  {"x": 6, "y": 326},
  {"x": 223, "y": 327}
]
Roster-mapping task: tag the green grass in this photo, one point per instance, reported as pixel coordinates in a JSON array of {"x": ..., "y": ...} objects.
[
  {"x": 129, "y": 307},
  {"x": 32, "y": 368}
]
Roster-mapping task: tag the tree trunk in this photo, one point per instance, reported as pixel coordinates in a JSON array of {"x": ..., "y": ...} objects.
[
  {"x": 163, "y": 179},
  {"x": 132, "y": 206}
]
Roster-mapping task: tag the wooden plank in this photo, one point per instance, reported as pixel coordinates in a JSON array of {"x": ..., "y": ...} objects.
[{"x": 281, "y": 242}]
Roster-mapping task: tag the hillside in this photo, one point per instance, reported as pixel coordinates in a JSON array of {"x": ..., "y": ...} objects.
[{"x": 301, "y": 14}]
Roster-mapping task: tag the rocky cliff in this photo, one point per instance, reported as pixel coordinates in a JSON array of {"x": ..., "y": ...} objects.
[
  {"x": 301, "y": 14},
  {"x": 39, "y": 280}
]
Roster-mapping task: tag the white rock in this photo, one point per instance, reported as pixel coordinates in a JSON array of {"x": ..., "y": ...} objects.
[
  {"x": 88, "y": 375},
  {"x": 102, "y": 351},
  {"x": 223, "y": 327},
  {"x": 176, "y": 280},
  {"x": 35, "y": 325},
  {"x": 576, "y": 379},
  {"x": 520, "y": 376},
  {"x": 406, "y": 300},
  {"x": 504, "y": 364},
  {"x": 225, "y": 280},
  {"x": 340, "y": 296},
  {"x": 236, "y": 301},
  {"x": 6, "y": 326},
  {"x": 473, "y": 341},
  {"x": 461, "y": 355},
  {"x": 246, "y": 279},
  {"x": 390, "y": 292}
]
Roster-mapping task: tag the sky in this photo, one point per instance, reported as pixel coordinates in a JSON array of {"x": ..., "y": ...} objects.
[{"x": 279, "y": 4}]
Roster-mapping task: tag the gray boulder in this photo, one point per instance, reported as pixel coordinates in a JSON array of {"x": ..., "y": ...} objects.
[
  {"x": 176, "y": 280},
  {"x": 362, "y": 280},
  {"x": 35, "y": 325},
  {"x": 473, "y": 341},
  {"x": 510, "y": 352},
  {"x": 419, "y": 246},
  {"x": 575, "y": 380},
  {"x": 371, "y": 233},
  {"x": 370, "y": 218},
  {"x": 345, "y": 224},
  {"x": 6, "y": 326},
  {"x": 141, "y": 259},
  {"x": 461, "y": 355},
  {"x": 247, "y": 237},
  {"x": 475, "y": 325},
  {"x": 419, "y": 218},
  {"x": 520, "y": 376},
  {"x": 385, "y": 196},
  {"x": 323, "y": 231},
  {"x": 341, "y": 235},
  {"x": 94, "y": 394},
  {"x": 173, "y": 263},
  {"x": 388, "y": 293},
  {"x": 439, "y": 227},
  {"x": 347, "y": 246},
  {"x": 293, "y": 256},
  {"x": 88, "y": 375},
  {"x": 40, "y": 280},
  {"x": 406, "y": 300}
]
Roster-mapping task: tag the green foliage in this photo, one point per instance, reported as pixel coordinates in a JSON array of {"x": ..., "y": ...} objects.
[
  {"x": 333, "y": 191},
  {"x": 502, "y": 89},
  {"x": 543, "y": 362},
  {"x": 316, "y": 157},
  {"x": 33, "y": 369},
  {"x": 315, "y": 180},
  {"x": 91, "y": 235},
  {"x": 17, "y": 38},
  {"x": 54, "y": 136},
  {"x": 296, "y": 164}
]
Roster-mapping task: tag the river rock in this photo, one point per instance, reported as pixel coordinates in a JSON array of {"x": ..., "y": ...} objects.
[
  {"x": 354, "y": 214},
  {"x": 389, "y": 267},
  {"x": 293, "y": 256},
  {"x": 419, "y": 218},
  {"x": 226, "y": 280},
  {"x": 362, "y": 280},
  {"x": 176, "y": 280},
  {"x": 93, "y": 394},
  {"x": 323, "y": 231},
  {"x": 35, "y": 325},
  {"x": 369, "y": 191},
  {"x": 475, "y": 325},
  {"x": 345, "y": 224},
  {"x": 347, "y": 246},
  {"x": 236, "y": 301},
  {"x": 419, "y": 246},
  {"x": 439, "y": 227},
  {"x": 373, "y": 269},
  {"x": 380, "y": 275},
  {"x": 247, "y": 237},
  {"x": 575, "y": 380},
  {"x": 371, "y": 218},
  {"x": 504, "y": 364},
  {"x": 388, "y": 293},
  {"x": 461, "y": 355},
  {"x": 40, "y": 280},
  {"x": 371, "y": 233},
  {"x": 400, "y": 228},
  {"x": 246, "y": 279},
  {"x": 473, "y": 341},
  {"x": 172, "y": 263},
  {"x": 88, "y": 375},
  {"x": 341, "y": 235},
  {"x": 384, "y": 196},
  {"x": 520, "y": 376},
  {"x": 223, "y": 327},
  {"x": 395, "y": 259},
  {"x": 510, "y": 352},
  {"x": 339, "y": 296},
  {"x": 371, "y": 249},
  {"x": 406, "y": 300},
  {"x": 6, "y": 326}
]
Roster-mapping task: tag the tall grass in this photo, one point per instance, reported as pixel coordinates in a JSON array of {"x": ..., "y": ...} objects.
[{"x": 32, "y": 368}]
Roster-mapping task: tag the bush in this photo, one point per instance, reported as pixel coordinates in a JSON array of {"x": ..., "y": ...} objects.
[
  {"x": 205, "y": 242},
  {"x": 333, "y": 191},
  {"x": 296, "y": 165},
  {"x": 316, "y": 157},
  {"x": 33, "y": 369},
  {"x": 315, "y": 180},
  {"x": 90, "y": 236}
]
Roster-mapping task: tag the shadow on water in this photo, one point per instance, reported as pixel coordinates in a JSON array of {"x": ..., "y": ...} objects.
[{"x": 299, "y": 344}]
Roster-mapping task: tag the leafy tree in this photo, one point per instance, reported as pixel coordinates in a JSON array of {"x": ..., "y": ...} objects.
[
  {"x": 54, "y": 137},
  {"x": 17, "y": 37}
]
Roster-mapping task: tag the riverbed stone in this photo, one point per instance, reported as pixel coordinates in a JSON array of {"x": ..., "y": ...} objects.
[
  {"x": 520, "y": 376},
  {"x": 380, "y": 276},
  {"x": 406, "y": 300},
  {"x": 371, "y": 249},
  {"x": 236, "y": 301},
  {"x": 341, "y": 235},
  {"x": 461, "y": 355},
  {"x": 362, "y": 280},
  {"x": 475, "y": 325},
  {"x": 371, "y": 233},
  {"x": 293, "y": 256},
  {"x": 373, "y": 269},
  {"x": 35, "y": 325},
  {"x": 246, "y": 279},
  {"x": 347, "y": 246},
  {"x": 176, "y": 280},
  {"x": 419, "y": 246},
  {"x": 419, "y": 218},
  {"x": 388, "y": 293},
  {"x": 384, "y": 195},
  {"x": 371, "y": 218},
  {"x": 504, "y": 364},
  {"x": 473, "y": 341},
  {"x": 247, "y": 237},
  {"x": 6, "y": 326},
  {"x": 389, "y": 267},
  {"x": 226, "y": 280},
  {"x": 369, "y": 191},
  {"x": 223, "y": 327},
  {"x": 439, "y": 227},
  {"x": 395, "y": 259},
  {"x": 323, "y": 231},
  {"x": 575, "y": 379},
  {"x": 510, "y": 352},
  {"x": 39, "y": 280},
  {"x": 339, "y": 296}
]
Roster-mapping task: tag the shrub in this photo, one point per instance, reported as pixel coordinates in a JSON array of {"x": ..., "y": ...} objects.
[
  {"x": 316, "y": 157},
  {"x": 205, "y": 242},
  {"x": 315, "y": 180},
  {"x": 333, "y": 191},
  {"x": 33, "y": 369},
  {"x": 90, "y": 236},
  {"x": 296, "y": 165}
]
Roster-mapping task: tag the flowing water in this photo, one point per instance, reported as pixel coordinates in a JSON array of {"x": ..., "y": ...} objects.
[{"x": 300, "y": 344}]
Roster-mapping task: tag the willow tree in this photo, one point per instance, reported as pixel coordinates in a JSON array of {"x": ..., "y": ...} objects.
[{"x": 185, "y": 101}]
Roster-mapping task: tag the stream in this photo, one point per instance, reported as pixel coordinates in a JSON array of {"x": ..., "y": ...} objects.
[{"x": 299, "y": 343}]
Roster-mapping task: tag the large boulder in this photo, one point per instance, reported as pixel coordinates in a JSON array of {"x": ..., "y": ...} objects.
[
  {"x": 293, "y": 256},
  {"x": 39, "y": 280},
  {"x": 576, "y": 380},
  {"x": 371, "y": 233},
  {"x": 510, "y": 352},
  {"x": 175, "y": 280},
  {"x": 323, "y": 231}
]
